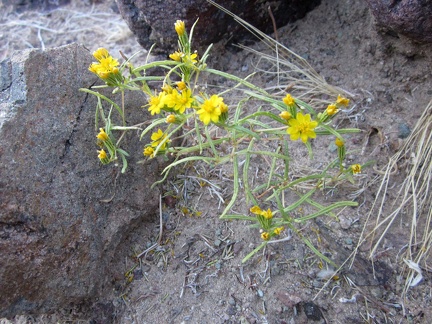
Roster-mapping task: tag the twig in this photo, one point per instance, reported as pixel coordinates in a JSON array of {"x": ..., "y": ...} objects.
[{"x": 274, "y": 24}]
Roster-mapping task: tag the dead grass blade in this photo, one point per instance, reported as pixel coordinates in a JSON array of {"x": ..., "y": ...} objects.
[
  {"x": 292, "y": 72},
  {"x": 414, "y": 199}
]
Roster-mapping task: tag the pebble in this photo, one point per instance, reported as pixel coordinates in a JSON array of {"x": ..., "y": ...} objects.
[
  {"x": 260, "y": 293},
  {"x": 348, "y": 241},
  {"x": 344, "y": 223},
  {"x": 231, "y": 301},
  {"x": 312, "y": 311},
  {"x": 217, "y": 242},
  {"x": 403, "y": 130}
]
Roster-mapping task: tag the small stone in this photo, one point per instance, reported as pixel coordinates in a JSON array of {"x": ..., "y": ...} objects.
[
  {"x": 217, "y": 242},
  {"x": 231, "y": 301},
  {"x": 403, "y": 130},
  {"x": 348, "y": 241},
  {"x": 345, "y": 223},
  {"x": 260, "y": 293},
  {"x": 312, "y": 311}
]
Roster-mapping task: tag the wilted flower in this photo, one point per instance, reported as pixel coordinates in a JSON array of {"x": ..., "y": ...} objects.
[
  {"x": 278, "y": 230},
  {"x": 331, "y": 110},
  {"x": 265, "y": 236},
  {"x": 149, "y": 151},
  {"x": 339, "y": 142},
  {"x": 356, "y": 168},
  {"x": 102, "y": 135},
  {"x": 342, "y": 101}
]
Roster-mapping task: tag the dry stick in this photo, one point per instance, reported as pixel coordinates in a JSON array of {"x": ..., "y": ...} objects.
[{"x": 274, "y": 24}]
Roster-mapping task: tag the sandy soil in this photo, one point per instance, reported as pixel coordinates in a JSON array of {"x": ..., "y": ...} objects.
[{"x": 196, "y": 276}]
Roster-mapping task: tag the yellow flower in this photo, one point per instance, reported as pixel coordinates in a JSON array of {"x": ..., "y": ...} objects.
[
  {"x": 105, "y": 67},
  {"x": 339, "y": 142},
  {"x": 102, "y": 135},
  {"x": 100, "y": 54},
  {"x": 256, "y": 210},
  {"x": 149, "y": 151},
  {"x": 289, "y": 100},
  {"x": 171, "y": 119},
  {"x": 342, "y": 101},
  {"x": 302, "y": 127},
  {"x": 331, "y": 110},
  {"x": 156, "y": 103},
  {"x": 181, "y": 85},
  {"x": 191, "y": 59},
  {"x": 211, "y": 110},
  {"x": 102, "y": 155},
  {"x": 176, "y": 56},
  {"x": 265, "y": 236},
  {"x": 267, "y": 214},
  {"x": 278, "y": 230},
  {"x": 180, "y": 101},
  {"x": 356, "y": 168},
  {"x": 167, "y": 89},
  {"x": 158, "y": 138},
  {"x": 180, "y": 27},
  {"x": 285, "y": 115}
]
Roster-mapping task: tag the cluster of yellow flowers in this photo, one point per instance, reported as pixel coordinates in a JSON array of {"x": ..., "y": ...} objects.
[
  {"x": 106, "y": 67},
  {"x": 265, "y": 219},
  {"x": 177, "y": 101},
  {"x": 171, "y": 99},
  {"x": 104, "y": 141},
  {"x": 159, "y": 139},
  {"x": 301, "y": 126}
]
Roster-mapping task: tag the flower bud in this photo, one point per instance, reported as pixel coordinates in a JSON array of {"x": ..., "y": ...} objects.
[
  {"x": 285, "y": 115},
  {"x": 180, "y": 27},
  {"x": 171, "y": 119}
]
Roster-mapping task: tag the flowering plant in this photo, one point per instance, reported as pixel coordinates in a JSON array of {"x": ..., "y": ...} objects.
[{"x": 208, "y": 120}]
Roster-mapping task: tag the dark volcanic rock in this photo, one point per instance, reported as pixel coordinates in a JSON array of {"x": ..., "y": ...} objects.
[
  {"x": 59, "y": 242},
  {"x": 153, "y": 21},
  {"x": 411, "y": 18}
]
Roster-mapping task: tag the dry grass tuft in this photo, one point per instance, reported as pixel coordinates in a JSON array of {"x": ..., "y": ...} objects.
[
  {"x": 78, "y": 22},
  {"x": 414, "y": 199},
  {"x": 292, "y": 72}
]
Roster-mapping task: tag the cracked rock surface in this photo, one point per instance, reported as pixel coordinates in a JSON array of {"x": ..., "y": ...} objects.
[{"x": 60, "y": 240}]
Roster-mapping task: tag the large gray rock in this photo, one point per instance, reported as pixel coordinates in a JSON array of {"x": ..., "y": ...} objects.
[
  {"x": 60, "y": 244},
  {"x": 152, "y": 22},
  {"x": 411, "y": 18}
]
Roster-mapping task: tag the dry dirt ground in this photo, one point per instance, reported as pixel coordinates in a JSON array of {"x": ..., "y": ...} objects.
[{"x": 196, "y": 275}]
